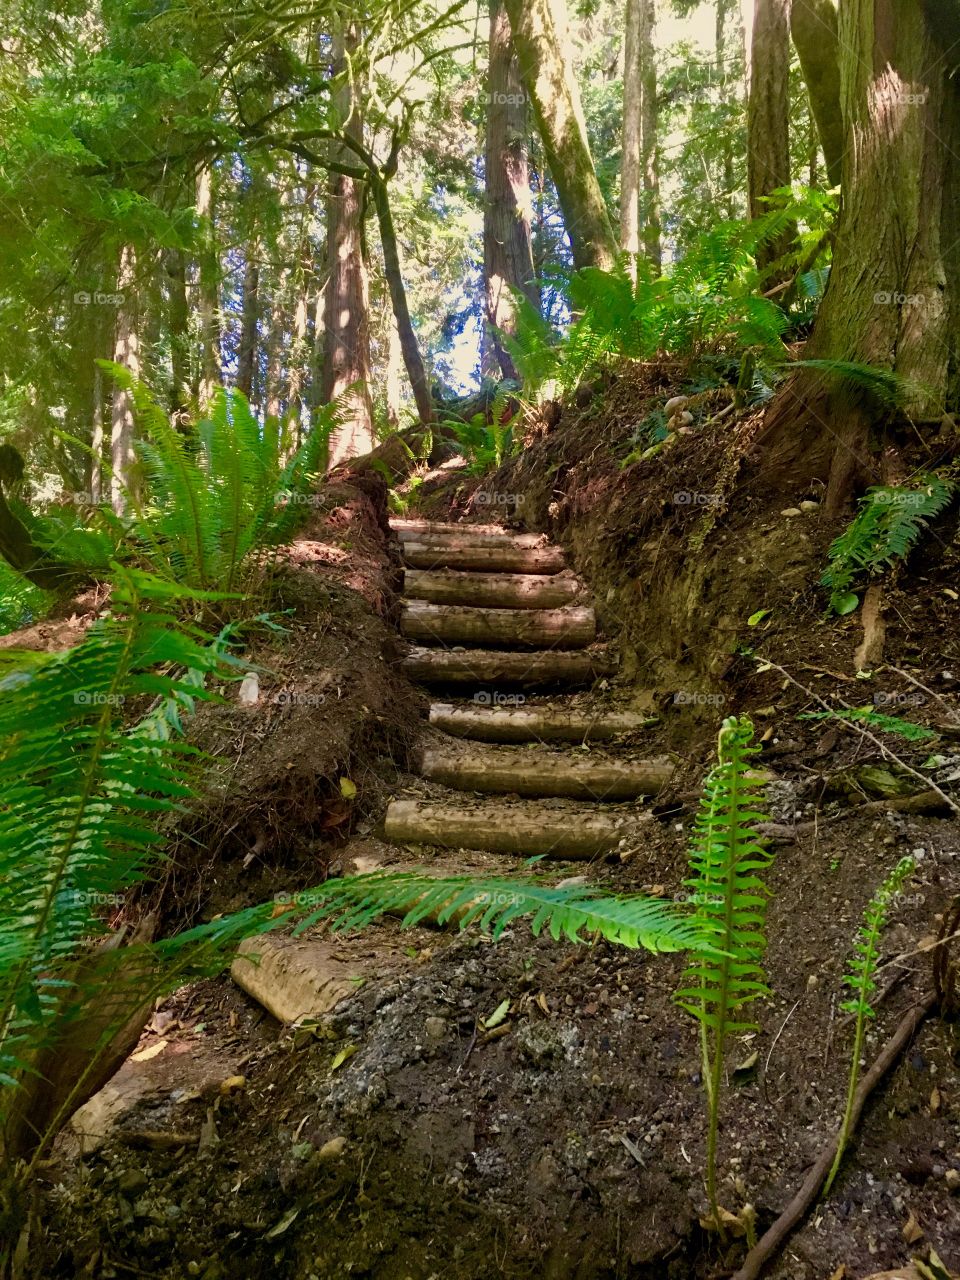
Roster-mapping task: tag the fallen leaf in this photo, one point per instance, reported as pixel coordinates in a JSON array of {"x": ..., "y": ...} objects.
[
  {"x": 934, "y": 1100},
  {"x": 840, "y": 1272},
  {"x": 151, "y": 1051},
  {"x": 232, "y": 1084},
  {"x": 912, "y": 1230},
  {"x": 498, "y": 1015},
  {"x": 348, "y": 789},
  {"x": 282, "y": 1225},
  {"x": 345, "y": 1054}
]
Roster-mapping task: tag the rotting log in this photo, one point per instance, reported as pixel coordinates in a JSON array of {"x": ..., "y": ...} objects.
[
  {"x": 518, "y": 771},
  {"x": 571, "y": 628},
  {"x": 293, "y": 978},
  {"x": 526, "y": 828},
  {"x": 497, "y": 590},
  {"x": 492, "y": 668},
  {"x": 415, "y": 530},
  {"x": 533, "y": 724},
  {"x": 483, "y": 555}
]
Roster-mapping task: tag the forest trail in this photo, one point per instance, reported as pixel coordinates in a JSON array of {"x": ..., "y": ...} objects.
[{"x": 495, "y": 614}]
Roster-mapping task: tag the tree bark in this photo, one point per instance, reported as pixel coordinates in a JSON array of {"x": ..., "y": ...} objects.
[
  {"x": 249, "y": 318},
  {"x": 208, "y": 283},
  {"x": 541, "y": 773},
  {"x": 437, "y": 554},
  {"x": 568, "y": 628},
  {"x": 768, "y": 115},
  {"x": 813, "y": 27},
  {"x": 178, "y": 321},
  {"x": 126, "y": 351},
  {"x": 346, "y": 369},
  {"x": 525, "y": 670},
  {"x": 487, "y": 723},
  {"x": 649, "y": 124},
  {"x": 497, "y": 590},
  {"x": 545, "y": 60},
  {"x": 893, "y": 299},
  {"x": 526, "y": 829},
  {"x": 409, "y": 346},
  {"x": 507, "y": 242},
  {"x": 630, "y": 138}
]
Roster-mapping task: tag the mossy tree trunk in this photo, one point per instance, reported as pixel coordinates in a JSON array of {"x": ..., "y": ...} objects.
[
  {"x": 768, "y": 114},
  {"x": 813, "y": 28},
  {"x": 546, "y": 64},
  {"x": 894, "y": 289}
]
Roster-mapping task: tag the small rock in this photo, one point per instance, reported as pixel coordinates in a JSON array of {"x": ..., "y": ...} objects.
[
  {"x": 809, "y": 505},
  {"x": 436, "y": 1028},
  {"x": 673, "y": 404},
  {"x": 333, "y": 1149},
  {"x": 952, "y": 1179},
  {"x": 132, "y": 1181},
  {"x": 790, "y": 512},
  {"x": 813, "y": 982}
]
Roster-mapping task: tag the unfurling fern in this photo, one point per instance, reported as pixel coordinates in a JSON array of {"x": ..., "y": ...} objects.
[
  {"x": 727, "y": 861},
  {"x": 861, "y": 980},
  {"x": 887, "y": 526}
]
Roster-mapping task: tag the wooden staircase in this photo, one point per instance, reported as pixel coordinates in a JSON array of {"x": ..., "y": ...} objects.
[{"x": 492, "y": 613}]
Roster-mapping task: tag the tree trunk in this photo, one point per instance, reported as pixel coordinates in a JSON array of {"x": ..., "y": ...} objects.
[
  {"x": 299, "y": 354},
  {"x": 126, "y": 351},
  {"x": 649, "y": 118},
  {"x": 545, "y": 59},
  {"x": 813, "y": 26},
  {"x": 393, "y": 380},
  {"x": 507, "y": 243},
  {"x": 346, "y": 316},
  {"x": 498, "y": 590},
  {"x": 630, "y": 139},
  {"x": 208, "y": 290},
  {"x": 894, "y": 291},
  {"x": 249, "y": 316},
  {"x": 178, "y": 321},
  {"x": 768, "y": 115},
  {"x": 409, "y": 346},
  {"x": 532, "y": 772},
  {"x": 483, "y": 722}
]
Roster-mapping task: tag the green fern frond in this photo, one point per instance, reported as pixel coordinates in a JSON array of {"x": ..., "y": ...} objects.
[
  {"x": 887, "y": 526},
  {"x": 876, "y": 719},
  {"x": 727, "y": 860},
  {"x": 570, "y": 912},
  {"x": 861, "y": 980},
  {"x": 879, "y": 384}
]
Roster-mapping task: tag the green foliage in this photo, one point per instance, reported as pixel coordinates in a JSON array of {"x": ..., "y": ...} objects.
[
  {"x": 495, "y": 903},
  {"x": 21, "y": 603},
  {"x": 861, "y": 979},
  {"x": 85, "y": 798},
  {"x": 889, "y": 523},
  {"x": 709, "y": 307},
  {"x": 487, "y": 439},
  {"x": 876, "y": 719},
  {"x": 727, "y": 862}
]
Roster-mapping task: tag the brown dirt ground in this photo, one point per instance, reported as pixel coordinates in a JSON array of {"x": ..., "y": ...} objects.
[{"x": 570, "y": 1145}]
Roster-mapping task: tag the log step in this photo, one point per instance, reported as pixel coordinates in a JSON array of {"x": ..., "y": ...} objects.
[
  {"x": 483, "y": 555},
  {"x": 571, "y": 628},
  {"x": 523, "y": 772},
  {"x": 497, "y": 590},
  {"x": 484, "y": 723},
  {"x": 477, "y": 667},
  {"x": 525, "y": 828},
  {"x": 464, "y": 534}
]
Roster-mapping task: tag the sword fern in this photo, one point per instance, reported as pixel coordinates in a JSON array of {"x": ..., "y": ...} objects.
[{"x": 727, "y": 862}]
